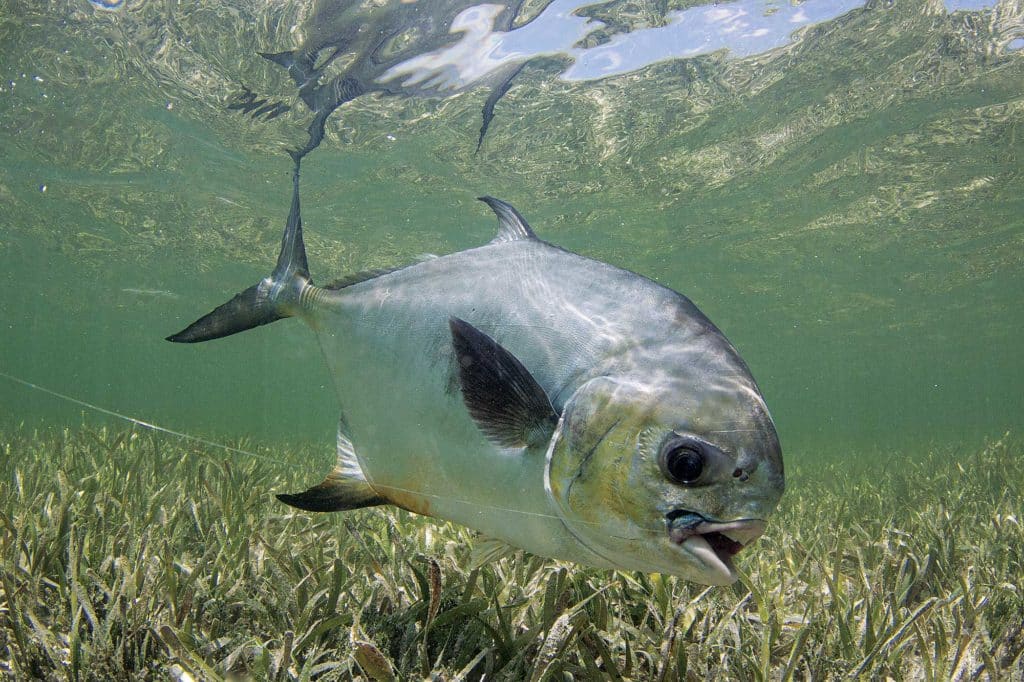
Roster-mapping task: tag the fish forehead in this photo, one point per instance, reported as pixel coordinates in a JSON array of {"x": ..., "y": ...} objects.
[
  {"x": 698, "y": 384},
  {"x": 683, "y": 373},
  {"x": 728, "y": 411}
]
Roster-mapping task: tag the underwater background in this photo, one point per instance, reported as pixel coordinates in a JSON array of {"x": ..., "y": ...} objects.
[
  {"x": 847, "y": 208},
  {"x": 838, "y": 185}
]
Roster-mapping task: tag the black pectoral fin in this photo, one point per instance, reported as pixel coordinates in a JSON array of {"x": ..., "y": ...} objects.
[{"x": 505, "y": 401}]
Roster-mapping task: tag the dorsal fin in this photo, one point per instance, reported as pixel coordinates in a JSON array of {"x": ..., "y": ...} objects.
[{"x": 511, "y": 225}]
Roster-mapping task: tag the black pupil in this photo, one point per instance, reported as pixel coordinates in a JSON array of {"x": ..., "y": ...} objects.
[{"x": 684, "y": 464}]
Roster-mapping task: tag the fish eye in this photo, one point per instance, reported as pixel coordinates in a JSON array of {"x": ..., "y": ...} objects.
[{"x": 682, "y": 462}]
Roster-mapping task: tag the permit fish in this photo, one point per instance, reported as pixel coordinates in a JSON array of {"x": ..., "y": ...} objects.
[{"x": 549, "y": 401}]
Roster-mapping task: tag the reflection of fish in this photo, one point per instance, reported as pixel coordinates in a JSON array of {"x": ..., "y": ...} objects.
[
  {"x": 551, "y": 401},
  {"x": 438, "y": 48},
  {"x": 369, "y": 39}
]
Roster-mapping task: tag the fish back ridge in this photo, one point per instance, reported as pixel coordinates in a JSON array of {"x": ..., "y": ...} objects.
[{"x": 357, "y": 277}]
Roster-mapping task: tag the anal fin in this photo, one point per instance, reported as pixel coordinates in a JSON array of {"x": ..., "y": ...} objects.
[
  {"x": 486, "y": 550},
  {"x": 344, "y": 488},
  {"x": 334, "y": 493}
]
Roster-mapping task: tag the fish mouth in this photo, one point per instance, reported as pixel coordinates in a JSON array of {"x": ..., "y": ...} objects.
[{"x": 712, "y": 543}]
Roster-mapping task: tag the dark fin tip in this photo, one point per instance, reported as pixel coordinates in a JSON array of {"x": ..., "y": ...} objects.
[
  {"x": 511, "y": 223},
  {"x": 334, "y": 493},
  {"x": 246, "y": 310},
  {"x": 270, "y": 299},
  {"x": 285, "y": 59},
  {"x": 492, "y": 99}
]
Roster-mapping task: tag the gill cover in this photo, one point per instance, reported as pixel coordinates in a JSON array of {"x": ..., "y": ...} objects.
[{"x": 589, "y": 473}]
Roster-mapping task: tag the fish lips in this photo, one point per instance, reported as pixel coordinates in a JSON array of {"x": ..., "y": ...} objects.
[{"x": 713, "y": 543}]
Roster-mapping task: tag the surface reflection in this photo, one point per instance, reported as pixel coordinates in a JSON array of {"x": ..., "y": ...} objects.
[
  {"x": 743, "y": 28},
  {"x": 442, "y": 48}
]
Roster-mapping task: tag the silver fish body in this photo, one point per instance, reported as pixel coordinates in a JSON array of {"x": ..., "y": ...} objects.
[{"x": 554, "y": 402}]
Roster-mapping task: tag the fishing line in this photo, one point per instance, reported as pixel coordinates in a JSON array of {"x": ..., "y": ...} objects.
[
  {"x": 269, "y": 459},
  {"x": 142, "y": 423}
]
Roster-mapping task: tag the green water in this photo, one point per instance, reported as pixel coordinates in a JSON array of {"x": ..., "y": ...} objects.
[{"x": 848, "y": 209}]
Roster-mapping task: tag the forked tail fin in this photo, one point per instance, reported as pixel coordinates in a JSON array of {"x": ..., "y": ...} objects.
[{"x": 273, "y": 298}]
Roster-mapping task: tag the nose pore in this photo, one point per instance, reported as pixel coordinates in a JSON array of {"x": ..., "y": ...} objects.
[{"x": 748, "y": 459}]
